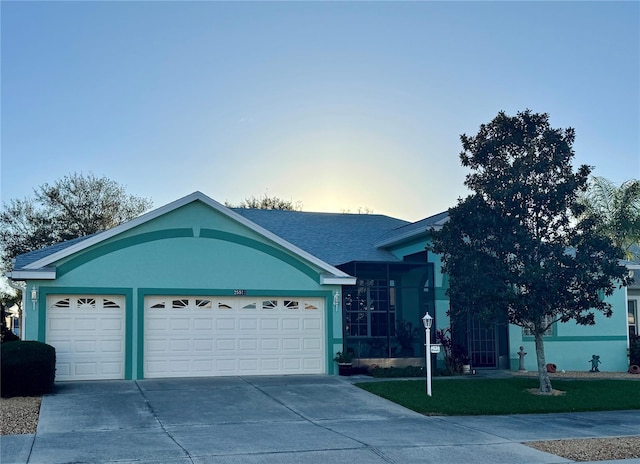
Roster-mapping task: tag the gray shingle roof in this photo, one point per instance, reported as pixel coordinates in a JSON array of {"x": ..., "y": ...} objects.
[
  {"x": 413, "y": 229},
  {"x": 335, "y": 238},
  {"x": 31, "y": 257}
]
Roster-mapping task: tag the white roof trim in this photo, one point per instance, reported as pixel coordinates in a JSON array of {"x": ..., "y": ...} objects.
[
  {"x": 333, "y": 280},
  {"x": 31, "y": 275},
  {"x": 196, "y": 196}
]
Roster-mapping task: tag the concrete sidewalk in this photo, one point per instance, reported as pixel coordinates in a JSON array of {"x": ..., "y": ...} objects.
[{"x": 285, "y": 419}]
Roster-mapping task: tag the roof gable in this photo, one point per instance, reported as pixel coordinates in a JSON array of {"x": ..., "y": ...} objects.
[{"x": 38, "y": 260}]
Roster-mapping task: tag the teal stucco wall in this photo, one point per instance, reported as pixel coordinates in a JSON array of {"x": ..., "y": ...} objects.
[{"x": 571, "y": 346}]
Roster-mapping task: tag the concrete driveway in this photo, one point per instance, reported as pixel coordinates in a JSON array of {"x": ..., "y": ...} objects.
[{"x": 286, "y": 419}]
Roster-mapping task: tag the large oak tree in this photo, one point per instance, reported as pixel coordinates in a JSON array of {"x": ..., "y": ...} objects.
[
  {"x": 74, "y": 206},
  {"x": 513, "y": 248}
]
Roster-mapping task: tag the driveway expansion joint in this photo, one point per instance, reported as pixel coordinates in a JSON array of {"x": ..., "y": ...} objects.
[
  {"x": 157, "y": 419},
  {"x": 305, "y": 418}
]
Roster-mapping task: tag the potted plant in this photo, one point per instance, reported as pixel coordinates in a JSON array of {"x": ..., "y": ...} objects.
[
  {"x": 466, "y": 364},
  {"x": 345, "y": 362}
]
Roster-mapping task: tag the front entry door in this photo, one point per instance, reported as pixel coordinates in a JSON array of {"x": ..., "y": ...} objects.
[{"x": 482, "y": 340}]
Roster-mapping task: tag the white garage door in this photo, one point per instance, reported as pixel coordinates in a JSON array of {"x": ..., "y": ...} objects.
[
  {"x": 213, "y": 336},
  {"x": 87, "y": 332}
]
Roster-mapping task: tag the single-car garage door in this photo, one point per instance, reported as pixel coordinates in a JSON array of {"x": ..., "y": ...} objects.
[
  {"x": 87, "y": 332},
  {"x": 218, "y": 336}
]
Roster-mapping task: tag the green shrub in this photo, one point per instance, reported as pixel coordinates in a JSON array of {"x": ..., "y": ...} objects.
[
  {"x": 28, "y": 368},
  {"x": 634, "y": 351}
]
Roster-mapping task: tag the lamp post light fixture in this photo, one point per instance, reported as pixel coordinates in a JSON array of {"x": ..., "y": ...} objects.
[
  {"x": 427, "y": 320},
  {"x": 34, "y": 296}
]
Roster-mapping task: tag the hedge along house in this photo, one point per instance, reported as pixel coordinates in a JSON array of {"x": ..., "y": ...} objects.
[{"x": 196, "y": 289}]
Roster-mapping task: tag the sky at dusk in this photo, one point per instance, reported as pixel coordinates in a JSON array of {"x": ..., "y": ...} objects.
[{"x": 338, "y": 105}]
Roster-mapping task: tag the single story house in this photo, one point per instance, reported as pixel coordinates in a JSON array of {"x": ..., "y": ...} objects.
[{"x": 194, "y": 288}]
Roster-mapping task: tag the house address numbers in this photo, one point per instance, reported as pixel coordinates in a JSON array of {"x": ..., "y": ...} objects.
[{"x": 239, "y": 293}]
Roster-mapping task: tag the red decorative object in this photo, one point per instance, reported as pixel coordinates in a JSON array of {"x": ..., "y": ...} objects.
[
  {"x": 551, "y": 367},
  {"x": 634, "y": 369}
]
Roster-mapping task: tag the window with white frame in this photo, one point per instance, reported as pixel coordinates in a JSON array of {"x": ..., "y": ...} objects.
[
  {"x": 526, "y": 331},
  {"x": 632, "y": 317}
]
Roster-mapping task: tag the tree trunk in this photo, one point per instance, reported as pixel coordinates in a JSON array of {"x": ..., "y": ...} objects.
[{"x": 543, "y": 375}]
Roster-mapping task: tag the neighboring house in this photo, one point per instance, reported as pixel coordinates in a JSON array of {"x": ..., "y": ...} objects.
[{"x": 197, "y": 289}]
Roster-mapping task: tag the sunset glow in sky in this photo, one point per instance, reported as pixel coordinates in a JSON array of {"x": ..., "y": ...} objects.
[{"x": 338, "y": 105}]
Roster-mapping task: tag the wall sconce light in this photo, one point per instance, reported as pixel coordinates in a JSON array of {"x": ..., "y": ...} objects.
[
  {"x": 34, "y": 296},
  {"x": 336, "y": 300}
]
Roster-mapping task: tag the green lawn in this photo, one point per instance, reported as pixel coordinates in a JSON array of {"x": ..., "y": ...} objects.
[{"x": 507, "y": 396}]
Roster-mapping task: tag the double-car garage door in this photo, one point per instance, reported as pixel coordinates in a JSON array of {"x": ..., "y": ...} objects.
[
  {"x": 204, "y": 336},
  {"x": 187, "y": 336}
]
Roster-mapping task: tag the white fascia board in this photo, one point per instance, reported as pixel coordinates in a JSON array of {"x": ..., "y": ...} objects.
[
  {"x": 333, "y": 280},
  {"x": 32, "y": 275},
  {"x": 196, "y": 196}
]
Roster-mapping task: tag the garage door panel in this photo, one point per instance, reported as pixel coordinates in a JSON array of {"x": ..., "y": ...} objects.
[
  {"x": 86, "y": 369},
  {"x": 271, "y": 365},
  {"x": 269, "y": 324},
  {"x": 246, "y": 324},
  {"x": 85, "y": 323},
  {"x": 270, "y": 344},
  {"x": 234, "y": 336},
  {"x": 179, "y": 324},
  {"x": 115, "y": 324},
  {"x": 156, "y": 324},
  {"x": 203, "y": 323},
  {"x": 311, "y": 324},
  {"x": 226, "y": 344},
  {"x": 87, "y": 332},
  {"x": 291, "y": 364},
  {"x": 248, "y": 344},
  {"x": 226, "y": 366},
  {"x": 291, "y": 324},
  {"x": 250, "y": 365},
  {"x": 289, "y": 344},
  {"x": 111, "y": 368},
  {"x": 111, "y": 346},
  {"x": 205, "y": 345},
  {"x": 311, "y": 363},
  {"x": 203, "y": 365},
  {"x": 180, "y": 345},
  {"x": 60, "y": 325},
  {"x": 85, "y": 346},
  {"x": 312, "y": 344},
  {"x": 225, "y": 323},
  {"x": 63, "y": 369},
  {"x": 156, "y": 346}
]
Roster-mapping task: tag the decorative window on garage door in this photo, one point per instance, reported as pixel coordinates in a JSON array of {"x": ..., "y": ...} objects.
[
  {"x": 86, "y": 302},
  {"x": 229, "y": 303}
]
